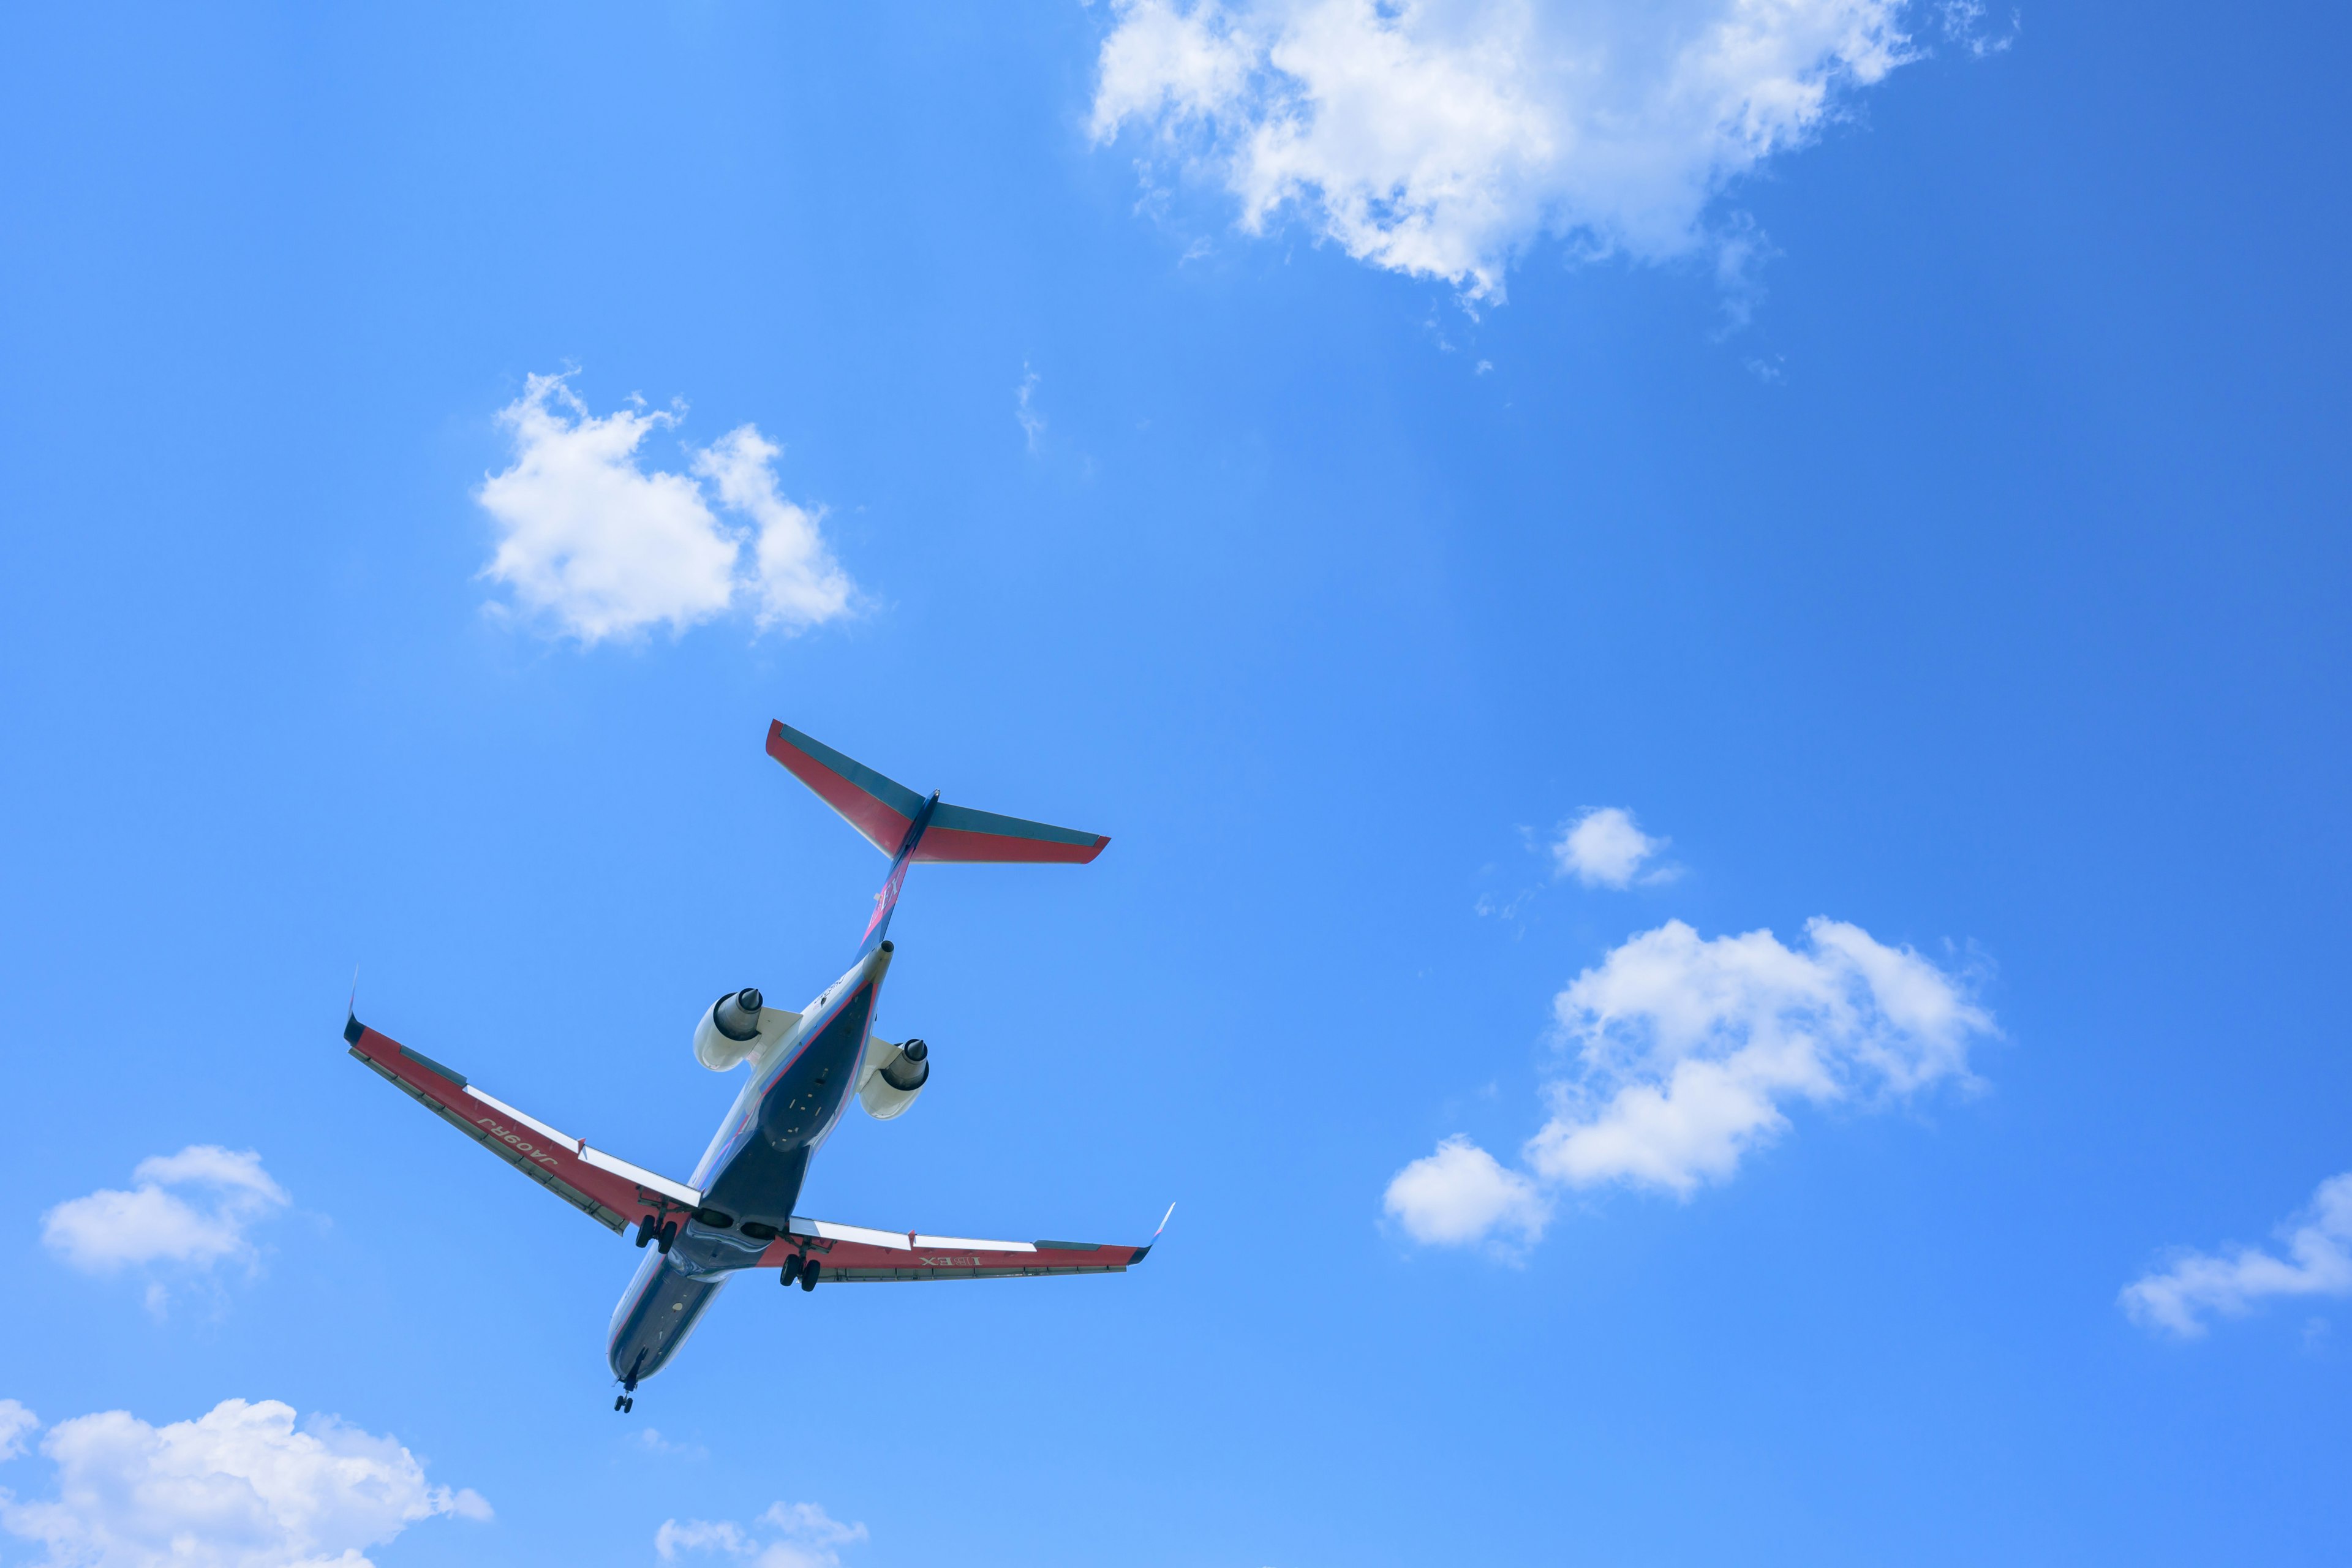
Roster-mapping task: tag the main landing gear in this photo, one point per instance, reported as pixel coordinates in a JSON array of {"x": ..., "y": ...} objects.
[
  {"x": 805, "y": 1269},
  {"x": 663, "y": 1233}
]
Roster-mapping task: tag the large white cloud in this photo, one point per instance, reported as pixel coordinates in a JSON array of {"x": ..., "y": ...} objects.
[
  {"x": 598, "y": 545},
  {"x": 1687, "y": 1052},
  {"x": 2318, "y": 1262},
  {"x": 196, "y": 1208},
  {"x": 1440, "y": 137},
  {"x": 789, "y": 1535},
  {"x": 240, "y": 1487}
]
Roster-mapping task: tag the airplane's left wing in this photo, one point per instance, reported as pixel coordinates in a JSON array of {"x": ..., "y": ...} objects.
[
  {"x": 854, "y": 1253},
  {"x": 603, "y": 1186}
]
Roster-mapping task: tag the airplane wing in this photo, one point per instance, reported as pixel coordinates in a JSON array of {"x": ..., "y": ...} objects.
[
  {"x": 607, "y": 1188},
  {"x": 854, "y": 1253}
]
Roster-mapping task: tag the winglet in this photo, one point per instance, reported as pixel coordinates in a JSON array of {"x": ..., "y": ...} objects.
[
  {"x": 1145, "y": 1250},
  {"x": 351, "y": 1011}
]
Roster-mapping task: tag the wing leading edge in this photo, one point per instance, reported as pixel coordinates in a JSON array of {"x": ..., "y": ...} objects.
[
  {"x": 853, "y": 1253},
  {"x": 603, "y": 1186}
]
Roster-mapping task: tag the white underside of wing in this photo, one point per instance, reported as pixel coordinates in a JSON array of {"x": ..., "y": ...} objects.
[
  {"x": 525, "y": 1117},
  {"x": 903, "y": 1241},
  {"x": 639, "y": 1174},
  {"x": 966, "y": 1244}
]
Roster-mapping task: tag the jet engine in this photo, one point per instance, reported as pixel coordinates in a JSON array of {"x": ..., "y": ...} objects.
[
  {"x": 894, "y": 1077},
  {"x": 734, "y": 1026}
]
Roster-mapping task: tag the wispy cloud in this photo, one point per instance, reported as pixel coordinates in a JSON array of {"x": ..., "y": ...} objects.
[
  {"x": 788, "y": 1535},
  {"x": 1440, "y": 137},
  {"x": 1965, "y": 25},
  {"x": 2180, "y": 1298},
  {"x": 194, "y": 1210},
  {"x": 651, "y": 1441},
  {"x": 241, "y": 1485},
  {"x": 17, "y": 1423},
  {"x": 1686, "y": 1054},
  {"x": 594, "y": 544},
  {"x": 1025, "y": 408}
]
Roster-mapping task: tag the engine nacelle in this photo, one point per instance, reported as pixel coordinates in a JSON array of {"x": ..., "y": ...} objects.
[
  {"x": 895, "y": 1077},
  {"x": 735, "y": 1025}
]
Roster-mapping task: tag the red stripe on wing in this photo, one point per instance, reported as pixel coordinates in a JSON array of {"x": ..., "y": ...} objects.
[{"x": 553, "y": 1160}]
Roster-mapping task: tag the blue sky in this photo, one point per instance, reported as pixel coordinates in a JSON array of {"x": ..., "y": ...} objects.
[{"x": 1887, "y": 460}]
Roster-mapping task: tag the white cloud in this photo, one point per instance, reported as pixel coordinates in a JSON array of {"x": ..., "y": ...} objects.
[
  {"x": 598, "y": 546},
  {"x": 17, "y": 1423},
  {"x": 2319, "y": 1263},
  {"x": 1440, "y": 137},
  {"x": 238, "y": 1487},
  {"x": 797, "y": 1535},
  {"x": 1461, "y": 1194},
  {"x": 1604, "y": 849},
  {"x": 1689, "y": 1051},
  {"x": 195, "y": 1208}
]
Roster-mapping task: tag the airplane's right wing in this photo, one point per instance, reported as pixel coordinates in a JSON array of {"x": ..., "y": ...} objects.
[
  {"x": 854, "y": 1253},
  {"x": 608, "y": 1189}
]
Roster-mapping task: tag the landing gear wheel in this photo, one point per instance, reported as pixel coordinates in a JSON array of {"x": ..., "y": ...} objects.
[
  {"x": 624, "y": 1404},
  {"x": 792, "y": 1271},
  {"x": 645, "y": 1228},
  {"x": 664, "y": 1235},
  {"x": 809, "y": 1274}
]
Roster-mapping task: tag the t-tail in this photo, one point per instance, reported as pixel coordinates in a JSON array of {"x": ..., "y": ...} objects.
[{"x": 909, "y": 828}]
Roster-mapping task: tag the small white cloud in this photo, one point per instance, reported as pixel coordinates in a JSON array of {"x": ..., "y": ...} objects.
[
  {"x": 1441, "y": 138},
  {"x": 240, "y": 1487},
  {"x": 17, "y": 1423},
  {"x": 1032, "y": 424},
  {"x": 1460, "y": 1195},
  {"x": 196, "y": 1209},
  {"x": 2318, "y": 1262},
  {"x": 596, "y": 545},
  {"x": 1688, "y": 1054},
  {"x": 1604, "y": 849},
  {"x": 788, "y": 1535}
]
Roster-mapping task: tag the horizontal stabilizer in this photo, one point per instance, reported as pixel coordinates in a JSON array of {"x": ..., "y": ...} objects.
[{"x": 883, "y": 809}]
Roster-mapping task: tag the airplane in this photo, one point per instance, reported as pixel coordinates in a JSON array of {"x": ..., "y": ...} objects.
[{"x": 736, "y": 1214}]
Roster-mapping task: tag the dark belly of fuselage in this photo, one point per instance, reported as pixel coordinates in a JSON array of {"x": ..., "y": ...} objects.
[{"x": 762, "y": 1181}]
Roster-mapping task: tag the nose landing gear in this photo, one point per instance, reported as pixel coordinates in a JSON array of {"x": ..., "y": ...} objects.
[{"x": 624, "y": 1404}]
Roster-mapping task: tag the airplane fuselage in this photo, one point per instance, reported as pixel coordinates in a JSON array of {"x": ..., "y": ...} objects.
[{"x": 750, "y": 1175}]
